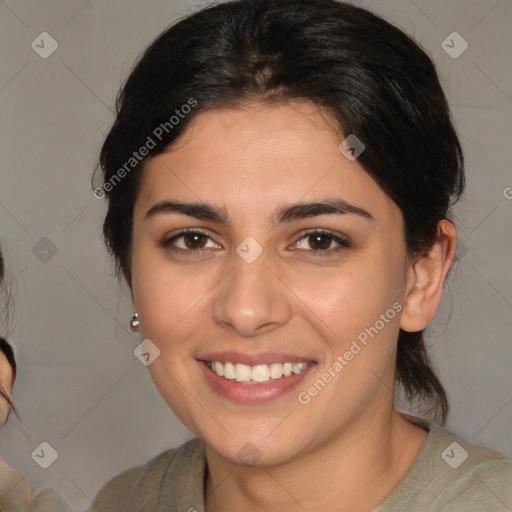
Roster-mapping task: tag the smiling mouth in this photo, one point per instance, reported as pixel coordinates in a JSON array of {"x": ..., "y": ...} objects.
[{"x": 257, "y": 374}]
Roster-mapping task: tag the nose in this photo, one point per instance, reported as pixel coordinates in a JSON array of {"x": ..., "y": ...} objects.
[{"x": 251, "y": 299}]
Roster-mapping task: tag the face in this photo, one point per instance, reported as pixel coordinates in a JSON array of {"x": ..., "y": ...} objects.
[
  {"x": 5, "y": 382},
  {"x": 269, "y": 284}
]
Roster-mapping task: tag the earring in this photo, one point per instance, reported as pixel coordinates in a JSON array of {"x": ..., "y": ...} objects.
[
  {"x": 417, "y": 285},
  {"x": 134, "y": 322}
]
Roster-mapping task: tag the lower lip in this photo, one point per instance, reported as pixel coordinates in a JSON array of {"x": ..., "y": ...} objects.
[{"x": 253, "y": 393}]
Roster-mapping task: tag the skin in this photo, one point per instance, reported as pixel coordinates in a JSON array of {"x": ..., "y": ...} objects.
[
  {"x": 6, "y": 383},
  {"x": 348, "y": 443}
]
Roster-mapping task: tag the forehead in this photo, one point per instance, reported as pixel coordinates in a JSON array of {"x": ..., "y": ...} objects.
[{"x": 266, "y": 153}]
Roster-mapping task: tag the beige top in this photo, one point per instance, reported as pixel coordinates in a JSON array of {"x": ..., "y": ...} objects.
[
  {"x": 15, "y": 494},
  {"x": 448, "y": 474}
]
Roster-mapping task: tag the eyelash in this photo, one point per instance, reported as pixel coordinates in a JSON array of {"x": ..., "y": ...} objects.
[{"x": 343, "y": 243}]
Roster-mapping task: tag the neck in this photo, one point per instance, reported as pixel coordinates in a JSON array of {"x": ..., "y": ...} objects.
[{"x": 355, "y": 470}]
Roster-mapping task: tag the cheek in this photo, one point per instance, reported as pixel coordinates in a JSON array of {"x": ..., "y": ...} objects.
[
  {"x": 170, "y": 300},
  {"x": 4, "y": 406},
  {"x": 5, "y": 373},
  {"x": 351, "y": 298}
]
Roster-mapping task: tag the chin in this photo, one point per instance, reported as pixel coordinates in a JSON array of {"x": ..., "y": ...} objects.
[{"x": 253, "y": 450}]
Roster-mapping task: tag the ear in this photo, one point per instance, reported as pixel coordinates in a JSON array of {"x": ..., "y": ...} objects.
[{"x": 426, "y": 278}]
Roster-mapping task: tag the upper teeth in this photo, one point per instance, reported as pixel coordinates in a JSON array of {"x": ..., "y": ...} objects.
[{"x": 258, "y": 373}]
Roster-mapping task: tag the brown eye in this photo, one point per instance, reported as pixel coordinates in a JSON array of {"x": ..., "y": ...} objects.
[
  {"x": 320, "y": 242},
  {"x": 192, "y": 241}
]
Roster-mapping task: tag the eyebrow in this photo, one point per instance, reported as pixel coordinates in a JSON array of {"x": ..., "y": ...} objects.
[{"x": 286, "y": 214}]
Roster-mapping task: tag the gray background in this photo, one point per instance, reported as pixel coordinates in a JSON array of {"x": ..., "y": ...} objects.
[{"x": 80, "y": 388}]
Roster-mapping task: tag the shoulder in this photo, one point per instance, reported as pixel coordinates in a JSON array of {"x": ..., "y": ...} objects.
[
  {"x": 141, "y": 486},
  {"x": 16, "y": 495},
  {"x": 475, "y": 477},
  {"x": 452, "y": 474}
]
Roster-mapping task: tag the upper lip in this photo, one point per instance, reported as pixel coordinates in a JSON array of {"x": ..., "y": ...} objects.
[{"x": 254, "y": 359}]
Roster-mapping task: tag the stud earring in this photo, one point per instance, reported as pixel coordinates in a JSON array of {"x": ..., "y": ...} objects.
[
  {"x": 418, "y": 285},
  {"x": 134, "y": 322}
]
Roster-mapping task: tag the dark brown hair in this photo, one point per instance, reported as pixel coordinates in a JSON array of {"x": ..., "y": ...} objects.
[{"x": 377, "y": 81}]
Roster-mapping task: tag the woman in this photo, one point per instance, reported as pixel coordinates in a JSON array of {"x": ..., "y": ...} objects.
[
  {"x": 7, "y": 377},
  {"x": 7, "y": 365},
  {"x": 15, "y": 493},
  {"x": 279, "y": 178}
]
